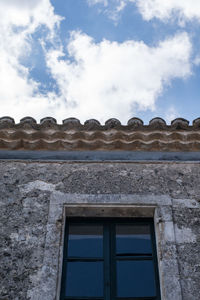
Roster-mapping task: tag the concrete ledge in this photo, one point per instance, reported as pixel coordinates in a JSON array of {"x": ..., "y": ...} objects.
[{"x": 99, "y": 156}]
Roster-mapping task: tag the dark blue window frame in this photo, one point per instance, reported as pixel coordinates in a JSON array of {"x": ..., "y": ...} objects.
[{"x": 110, "y": 257}]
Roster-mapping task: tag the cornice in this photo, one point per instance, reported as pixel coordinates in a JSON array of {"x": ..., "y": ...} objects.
[{"x": 72, "y": 135}]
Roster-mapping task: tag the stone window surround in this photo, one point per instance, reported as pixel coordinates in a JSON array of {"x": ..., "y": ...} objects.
[{"x": 104, "y": 205}]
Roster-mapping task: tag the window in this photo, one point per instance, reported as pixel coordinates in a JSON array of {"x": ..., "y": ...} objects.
[{"x": 113, "y": 258}]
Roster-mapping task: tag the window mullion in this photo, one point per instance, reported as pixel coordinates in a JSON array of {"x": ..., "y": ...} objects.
[
  {"x": 113, "y": 287},
  {"x": 106, "y": 246}
]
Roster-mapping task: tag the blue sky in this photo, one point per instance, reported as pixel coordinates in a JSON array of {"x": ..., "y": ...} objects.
[{"x": 100, "y": 59}]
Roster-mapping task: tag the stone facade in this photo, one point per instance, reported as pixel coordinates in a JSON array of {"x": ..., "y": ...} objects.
[
  {"x": 36, "y": 196},
  {"x": 49, "y": 171}
]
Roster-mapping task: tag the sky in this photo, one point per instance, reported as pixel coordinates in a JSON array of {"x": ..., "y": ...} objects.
[{"x": 100, "y": 59}]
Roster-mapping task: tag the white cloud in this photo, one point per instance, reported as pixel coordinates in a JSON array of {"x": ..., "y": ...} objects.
[
  {"x": 110, "y": 79},
  {"x": 114, "y": 11},
  {"x": 112, "y": 8},
  {"x": 171, "y": 114},
  {"x": 94, "y": 2},
  {"x": 101, "y": 80},
  {"x": 19, "y": 19},
  {"x": 29, "y": 15},
  {"x": 196, "y": 60},
  {"x": 164, "y": 10}
]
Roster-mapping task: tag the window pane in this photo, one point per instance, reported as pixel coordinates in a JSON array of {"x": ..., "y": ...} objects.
[
  {"x": 85, "y": 241},
  {"x": 84, "y": 279},
  {"x": 133, "y": 239},
  {"x": 135, "y": 279}
]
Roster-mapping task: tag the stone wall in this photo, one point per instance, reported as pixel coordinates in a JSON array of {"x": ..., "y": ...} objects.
[{"x": 33, "y": 198}]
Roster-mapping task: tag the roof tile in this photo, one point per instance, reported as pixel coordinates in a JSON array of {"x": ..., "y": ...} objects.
[{"x": 72, "y": 135}]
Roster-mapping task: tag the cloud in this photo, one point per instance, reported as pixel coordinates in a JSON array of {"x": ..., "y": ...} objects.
[
  {"x": 171, "y": 114},
  {"x": 114, "y": 12},
  {"x": 165, "y": 10},
  {"x": 181, "y": 10},
  {"x": 97, "y": 80},
  {"x": 29, "y": 15},
  {"x": 112, "y": 8},
  {"x": 110, "y": 79},
  {"x": 19, "y": 94},
  {"x": 94, "y": 2}
]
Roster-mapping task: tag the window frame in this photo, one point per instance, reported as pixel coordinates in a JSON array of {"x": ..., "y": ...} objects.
[{"x": 108, "y": 254}]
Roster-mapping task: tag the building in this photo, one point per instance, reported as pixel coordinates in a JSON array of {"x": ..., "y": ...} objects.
[{"x": 56, "y": 176}]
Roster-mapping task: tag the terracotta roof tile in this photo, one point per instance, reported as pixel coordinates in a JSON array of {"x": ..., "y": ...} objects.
[{"x": 72, "y": 135}]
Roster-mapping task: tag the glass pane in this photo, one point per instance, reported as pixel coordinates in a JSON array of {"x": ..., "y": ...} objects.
[
  {"x": 84, "y": 279},
  {"x": 135, "y": 279},
  {"x": 132, "y": 239},
  {"x": 85, "y": 241}
]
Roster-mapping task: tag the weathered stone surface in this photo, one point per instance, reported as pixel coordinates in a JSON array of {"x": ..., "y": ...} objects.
[
  {"x": 188, "y": 246},
  {"x": 31, "y": 219},
  {"x": 23, "y": 228}
]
